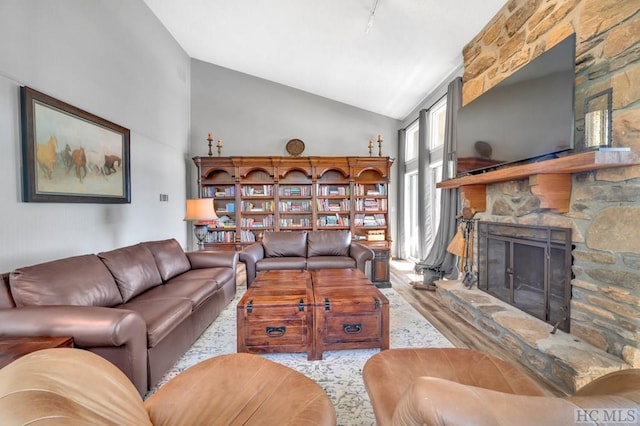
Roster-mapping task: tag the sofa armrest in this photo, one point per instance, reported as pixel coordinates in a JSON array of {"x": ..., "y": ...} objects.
[
  {"x": 361, "y": 254},
  {"x": 118, "y": 335},
  {"x": 250, "y": 256},
  {"x": 213, "y": 259},
  {"x": 89, "y": 326}
]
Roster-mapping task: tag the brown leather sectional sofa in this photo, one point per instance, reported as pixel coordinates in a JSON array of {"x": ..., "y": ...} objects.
[
  {"x": 332, "y": 249},
  {"x": 140, "y": 307}
]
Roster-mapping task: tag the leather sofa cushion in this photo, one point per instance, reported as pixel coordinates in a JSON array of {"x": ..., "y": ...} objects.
[
  {"x": 133, "y": 268},
  {"x": 79, "y": 280},
  {"x": 285, "y": 244},
  {"x": 329, "y": 243},
  {"x": 161, "y": 314},
  {"x": 193, "y": 286},
  {"x": 330, "y": 262},
  {"x": 273, "y": 263},
  {"x": 170, "y": 258}
]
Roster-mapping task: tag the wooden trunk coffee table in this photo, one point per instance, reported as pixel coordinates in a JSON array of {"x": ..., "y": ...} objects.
[
  {"x": 303, "y": 311},
  {"x": 276, "y": 314},
  {"x": 349, "y": 313}
]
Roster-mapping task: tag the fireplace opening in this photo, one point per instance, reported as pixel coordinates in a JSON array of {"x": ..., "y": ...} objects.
[{"x": 528, "y": 267}]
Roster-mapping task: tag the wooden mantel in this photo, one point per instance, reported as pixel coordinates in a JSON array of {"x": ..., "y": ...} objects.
[{"x": 550, "y": 180}]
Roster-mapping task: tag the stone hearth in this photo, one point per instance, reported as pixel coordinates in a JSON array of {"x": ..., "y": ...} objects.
[{"x": 560, "y": 358}]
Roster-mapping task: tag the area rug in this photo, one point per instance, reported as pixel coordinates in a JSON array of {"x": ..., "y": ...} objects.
[{"x": 339, "y": 372}]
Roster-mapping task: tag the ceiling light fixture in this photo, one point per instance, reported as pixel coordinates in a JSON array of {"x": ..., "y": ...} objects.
[{"x": 370, "y": 21}]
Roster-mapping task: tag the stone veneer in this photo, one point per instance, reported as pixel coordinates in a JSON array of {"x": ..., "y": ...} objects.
[{"x": 605, "y": 205}]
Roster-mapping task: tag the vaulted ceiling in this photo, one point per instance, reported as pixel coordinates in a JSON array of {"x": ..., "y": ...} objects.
[{"x": 383, "y": 56}]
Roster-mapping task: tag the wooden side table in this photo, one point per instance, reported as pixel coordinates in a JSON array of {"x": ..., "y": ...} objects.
[
  {"x": 380, "y": 270},
  {"x": 12, "y": 348}
]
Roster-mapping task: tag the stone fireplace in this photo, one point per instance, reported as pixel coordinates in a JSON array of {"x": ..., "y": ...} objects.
[
  {"x": 600, "y": 205},
  {"x": 528, "y": 267}
]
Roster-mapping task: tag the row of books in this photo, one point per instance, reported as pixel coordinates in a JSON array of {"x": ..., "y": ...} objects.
[
  {"x": 328, "y": 205},
  {"x": 333, "y": 220},
  {"x": 247, "y": 236},
  {"x": 220, "y": 237},
  {"x": 218, "y": 192},
  {"x": 252, "y": 206},
  {"x": 371, "y": 189},
  {"x": 371, "y": 204},
  {"x": 295, "y": 191},
  {"x": 257, "y": 191},
  {"x": 226, "y": 207},
  {"x": 326, "y": 190},
  {"x": 298, "y": 222},
  {"x": 369, "y": 220},
  {"x": 295, "y": 206},
  {"x": 265, "y": 222}
]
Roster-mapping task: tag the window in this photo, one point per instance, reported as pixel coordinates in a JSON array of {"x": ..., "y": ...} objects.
[
  {"x": 437, "y": 123},
  {"x": 437, "y": 119},
  {"x": 411, "y": 226},
  {"x": 412, "y": 141},
  {"x": 423, "y": 202}
]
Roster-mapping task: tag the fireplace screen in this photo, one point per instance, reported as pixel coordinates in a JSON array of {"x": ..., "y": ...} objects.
[{"x": 528, "y": 267}]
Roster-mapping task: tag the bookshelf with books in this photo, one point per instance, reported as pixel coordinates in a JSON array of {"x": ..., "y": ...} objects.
[
  {"x": 333, "y": 199},
  {"x": 217, "y": 181},
  {"x": 257, "y": 203},
  {"x": 371, "y": 210},
  {"x": 252, "y": 195},
  {"x": 295, "y": 198}
]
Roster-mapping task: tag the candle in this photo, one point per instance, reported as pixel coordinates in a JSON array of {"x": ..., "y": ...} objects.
[
  {"x": 209, "y": 136},
  {"x": 219, "y": 145},
  {"x": 379, "y": 138},
  {"x": 370, "y": 143}
]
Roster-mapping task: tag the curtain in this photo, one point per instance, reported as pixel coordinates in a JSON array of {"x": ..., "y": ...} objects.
[
  {"x": 439, "y": 262},
  {"x": 402, "y": 140},
  {"x": 424, "y": 177}
]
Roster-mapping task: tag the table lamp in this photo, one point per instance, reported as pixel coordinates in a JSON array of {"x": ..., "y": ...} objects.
[{"x": 200, "y": 211}]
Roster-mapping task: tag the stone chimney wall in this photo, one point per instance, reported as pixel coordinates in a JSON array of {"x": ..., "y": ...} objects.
[{"x": 605, "y": 205}]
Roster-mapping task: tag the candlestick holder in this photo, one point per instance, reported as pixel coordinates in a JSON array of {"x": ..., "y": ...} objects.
[
  {"x": 219, "y": 146},
  {"x": 379, "y": 145},
  {"x": 370, "y": 147},
  {"x": 210, "y": 139}
]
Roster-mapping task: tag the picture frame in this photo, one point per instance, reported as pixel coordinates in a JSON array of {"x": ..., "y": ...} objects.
[
  {"x": 598, "y": 120},
  {"x": 70, "y": 155}
]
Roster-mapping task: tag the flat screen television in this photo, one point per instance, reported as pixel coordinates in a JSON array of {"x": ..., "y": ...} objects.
[{"x": 527, "y": 116}]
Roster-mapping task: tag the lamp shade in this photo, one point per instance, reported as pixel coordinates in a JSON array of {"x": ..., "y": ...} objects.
[{"x": 200, "y": 209}]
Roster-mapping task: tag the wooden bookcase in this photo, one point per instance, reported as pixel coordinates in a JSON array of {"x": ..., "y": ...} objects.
[{"x": 252, "y": 195}]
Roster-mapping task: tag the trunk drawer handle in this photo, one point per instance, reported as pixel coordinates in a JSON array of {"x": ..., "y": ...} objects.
[
  {"x": 352, "y": 328},
  {"x": 276, "y": 331}
]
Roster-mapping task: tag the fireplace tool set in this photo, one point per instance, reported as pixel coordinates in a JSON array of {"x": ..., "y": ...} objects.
[{"x": 469, "y": 278}]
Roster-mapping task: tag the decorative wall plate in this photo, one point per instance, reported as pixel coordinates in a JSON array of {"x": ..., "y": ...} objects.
[{"x": 295, "y": 147}]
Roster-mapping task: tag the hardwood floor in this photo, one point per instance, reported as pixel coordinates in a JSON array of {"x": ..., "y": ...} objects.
[{"x": 460, "y": 333}]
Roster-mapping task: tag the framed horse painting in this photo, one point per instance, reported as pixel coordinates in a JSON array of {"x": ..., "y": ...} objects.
[{"x": 70, "y": 155}]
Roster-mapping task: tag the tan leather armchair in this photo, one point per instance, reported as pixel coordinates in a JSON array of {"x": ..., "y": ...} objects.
[
  {"x": 77, "y": 387},
  {"x": 444, "y": 386}
]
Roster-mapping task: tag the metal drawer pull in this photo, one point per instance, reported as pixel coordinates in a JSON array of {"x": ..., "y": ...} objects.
[
  {"x": 276, "y": 331},
  {"x": 352, "y": 328}
]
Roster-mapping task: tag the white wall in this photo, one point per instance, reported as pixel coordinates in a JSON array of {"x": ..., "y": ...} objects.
[
  {"x": 114, "y": 59},
  {"x": 253, "y": 116}
]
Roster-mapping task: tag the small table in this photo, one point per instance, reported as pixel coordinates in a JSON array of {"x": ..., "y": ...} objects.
[
  {"x": 380, "y": 270},
  {"x": 12, "y": 348}
]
